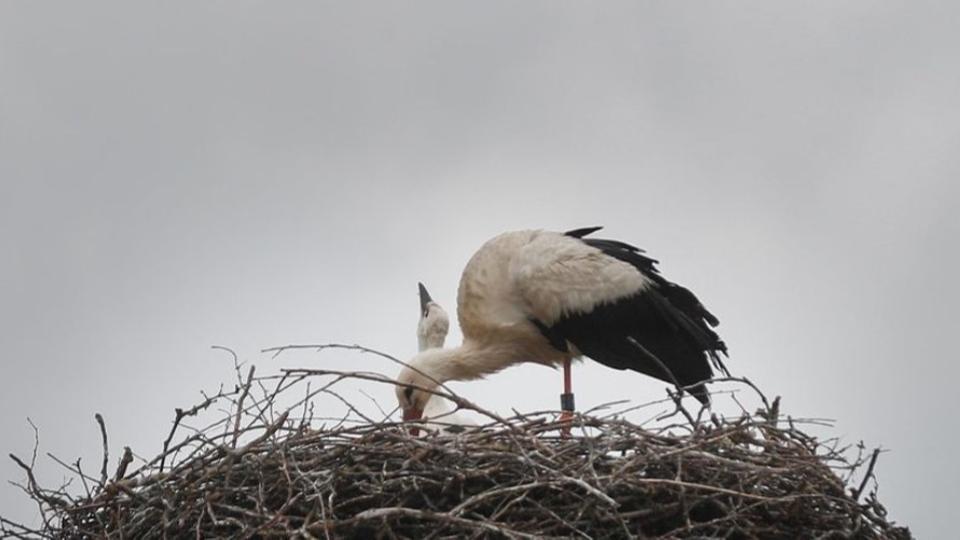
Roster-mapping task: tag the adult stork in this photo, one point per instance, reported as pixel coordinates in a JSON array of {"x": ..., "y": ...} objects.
[{"x": 548, "y": 297}]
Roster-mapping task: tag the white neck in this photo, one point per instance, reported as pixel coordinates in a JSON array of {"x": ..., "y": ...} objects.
[
  {"x": 468, "y": 361},
  {"x": 432, "y": 329},
  {"x": 432, "y": 340}
]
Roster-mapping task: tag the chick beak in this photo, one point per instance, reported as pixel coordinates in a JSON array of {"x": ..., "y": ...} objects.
[
  {"x": 424, "y": 298},
  {"x": 412, "y": 414}
]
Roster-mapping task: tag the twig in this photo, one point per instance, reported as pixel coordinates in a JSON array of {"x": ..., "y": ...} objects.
[
  {"x": 106, "y": 453},
  {"x": 125, "y": 460},
  {"x": 868, "y": 475},
  {"x": 243, "y": 395}
]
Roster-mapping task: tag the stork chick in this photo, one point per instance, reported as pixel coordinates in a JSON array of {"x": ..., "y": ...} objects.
[
  {"x": 434, "y": 323},
  {"x": 431, "y": 333}
]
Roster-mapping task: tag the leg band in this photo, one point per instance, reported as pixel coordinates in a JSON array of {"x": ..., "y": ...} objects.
[{"x": 566, "y": 402}]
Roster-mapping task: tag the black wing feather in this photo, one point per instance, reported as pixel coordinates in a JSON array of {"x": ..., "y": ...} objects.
[
  {"x": 663, "y": 331},
  {"x": 580, "y": 233}
]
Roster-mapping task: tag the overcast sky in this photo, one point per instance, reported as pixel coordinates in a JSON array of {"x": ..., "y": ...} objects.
[{"x": 251, "y": 174}]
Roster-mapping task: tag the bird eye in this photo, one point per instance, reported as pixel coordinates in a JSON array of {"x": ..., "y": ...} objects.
[{"x": 408, "y": 393}]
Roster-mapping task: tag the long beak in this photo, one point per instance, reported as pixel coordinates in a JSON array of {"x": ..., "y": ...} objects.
[
  {"x": 424, "y": 298},
  {"x": 412, "y": 414}
]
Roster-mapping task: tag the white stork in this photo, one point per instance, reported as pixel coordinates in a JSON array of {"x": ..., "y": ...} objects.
[
  {"x": 548, "y": 297},
  {"x": 431, "y": 333},
  {"x": 434, "y": 323}
]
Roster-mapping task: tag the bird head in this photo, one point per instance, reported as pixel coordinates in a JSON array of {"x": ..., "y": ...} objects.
[
  {"x": 419, "y": 378},
  {"x": 434, "y": 322}
]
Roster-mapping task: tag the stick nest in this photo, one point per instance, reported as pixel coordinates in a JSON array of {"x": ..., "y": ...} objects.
[{"x": 263, "y": 470}]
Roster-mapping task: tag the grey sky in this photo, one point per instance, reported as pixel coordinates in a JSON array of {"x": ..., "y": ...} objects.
[{"x": 251, "y": 174}]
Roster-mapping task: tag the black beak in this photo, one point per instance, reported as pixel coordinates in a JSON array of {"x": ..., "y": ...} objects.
[{"x": 424, "y": 299}]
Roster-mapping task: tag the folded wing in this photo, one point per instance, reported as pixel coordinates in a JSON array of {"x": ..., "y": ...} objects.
[{"x": 607, "y": 299}]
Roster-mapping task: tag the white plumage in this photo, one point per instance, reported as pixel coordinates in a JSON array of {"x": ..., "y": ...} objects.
[
  {"x": 434, "y": 323},
  {"x": 547, "y": 297},
  {"x": 431, "y": 333}
]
